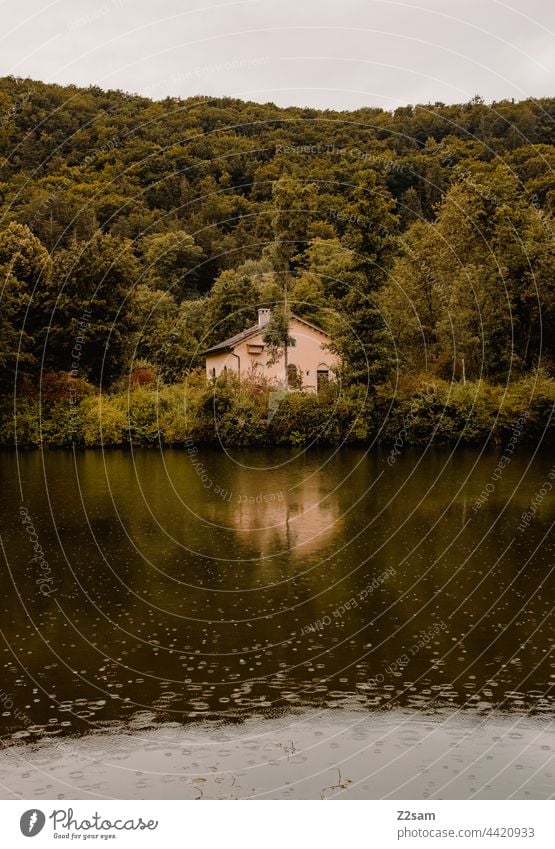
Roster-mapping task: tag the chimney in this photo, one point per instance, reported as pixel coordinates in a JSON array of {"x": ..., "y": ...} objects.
[{"x": 263, "y": 317}]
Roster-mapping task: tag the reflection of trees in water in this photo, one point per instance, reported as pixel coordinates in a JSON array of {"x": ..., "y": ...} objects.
[{"x": 280, "y": 564}]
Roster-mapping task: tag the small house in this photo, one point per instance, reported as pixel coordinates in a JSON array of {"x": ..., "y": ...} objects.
[{"x": 310, "y": 364}]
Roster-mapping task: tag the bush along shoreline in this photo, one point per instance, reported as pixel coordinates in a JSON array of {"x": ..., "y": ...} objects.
[{"x": 422, "y": 410}]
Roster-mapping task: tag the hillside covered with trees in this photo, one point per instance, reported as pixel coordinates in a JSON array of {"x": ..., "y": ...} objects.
[{"x": 134, "y": 234}]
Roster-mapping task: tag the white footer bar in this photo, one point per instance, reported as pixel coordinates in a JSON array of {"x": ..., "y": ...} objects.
[{"x": 278, "y": 824}]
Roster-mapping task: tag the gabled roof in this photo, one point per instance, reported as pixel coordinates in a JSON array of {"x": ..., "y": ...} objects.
[
  {"x": 229, "y": 344},
  {"x": 233, "y": 341}
]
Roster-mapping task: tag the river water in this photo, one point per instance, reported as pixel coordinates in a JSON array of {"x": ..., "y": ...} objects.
[{"x": 276, "y": 624}]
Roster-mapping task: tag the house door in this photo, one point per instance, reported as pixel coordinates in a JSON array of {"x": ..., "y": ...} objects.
[
  {"x": 322, "y": 379},
  {"x": 294, "y": 380}
]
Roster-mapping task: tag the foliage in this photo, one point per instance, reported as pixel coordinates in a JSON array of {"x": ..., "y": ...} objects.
[
  {"x": 276, "y": 334},
  {"x": 476, "y": 284},
  {"x": 136, "y": 234},
  {"x": 422, "y": 409},
  {"x": 170, "y": 261}
]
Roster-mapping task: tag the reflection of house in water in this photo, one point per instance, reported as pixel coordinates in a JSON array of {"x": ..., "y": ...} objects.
[{"x": 302, "y": 521}]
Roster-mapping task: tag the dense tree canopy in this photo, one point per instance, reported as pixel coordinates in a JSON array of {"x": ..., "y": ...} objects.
[{"x": 420, "y": 238}]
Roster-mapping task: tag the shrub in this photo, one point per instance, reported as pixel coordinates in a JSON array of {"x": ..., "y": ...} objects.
[
  {"x": 244, "y": 423},
  {"x": 142, "y": 414},
  {"x": 23, "y": 426},
  {"x": 420, "y": 409},
  {"x": 104, "y": 422},
  {"x": 173, "y": 423},
  {"x": 62, "y": 423},
  {"x": 534, "y": 394},
  {"x": 299, "y": 419}
]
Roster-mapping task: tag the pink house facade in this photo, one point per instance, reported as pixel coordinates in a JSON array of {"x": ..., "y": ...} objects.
[{"x": 310, "y": 363}]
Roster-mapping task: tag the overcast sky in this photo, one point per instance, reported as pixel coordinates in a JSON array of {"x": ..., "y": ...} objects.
[{"x": 339, "y": 54}]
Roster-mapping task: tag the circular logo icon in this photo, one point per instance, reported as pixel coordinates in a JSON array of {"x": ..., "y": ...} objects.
[{"x": 32, "y": 822}]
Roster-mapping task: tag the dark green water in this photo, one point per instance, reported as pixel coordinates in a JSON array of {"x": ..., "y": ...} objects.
[{"x": 264, "y": 583}]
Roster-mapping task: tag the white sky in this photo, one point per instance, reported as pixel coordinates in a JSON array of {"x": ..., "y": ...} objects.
[{"x": 336, "y": 55}]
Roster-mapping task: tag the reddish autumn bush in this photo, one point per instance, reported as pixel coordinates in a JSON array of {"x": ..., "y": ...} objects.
[{"x": 61, "y": 386}]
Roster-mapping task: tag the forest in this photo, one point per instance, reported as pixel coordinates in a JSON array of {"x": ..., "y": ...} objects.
[{"x": 136, "y": 233}]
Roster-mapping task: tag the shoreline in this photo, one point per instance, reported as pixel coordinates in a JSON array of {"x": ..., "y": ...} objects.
[{"x": 235, "y": 415}]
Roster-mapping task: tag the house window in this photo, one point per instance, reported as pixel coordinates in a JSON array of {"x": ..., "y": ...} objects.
[
  {"x": 214, "y": 372},
  {"x": 294, "y": 378},
  {"x": 292, "y": 342}
]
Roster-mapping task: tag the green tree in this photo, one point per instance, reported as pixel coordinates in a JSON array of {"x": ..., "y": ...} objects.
[
  {"x": 362, "y": 338},
  {"x": 14, "y": 342},
  {"x": 232, "y": 305},
  {"x": 276, "y": 335},
  {"x": 171, "y": 260},
  {"x": 292, "y": 204},
  {"x": 89, "y": 312},
  {"x": 25, "y": 269},
  {"x": 477, "y": 283}
]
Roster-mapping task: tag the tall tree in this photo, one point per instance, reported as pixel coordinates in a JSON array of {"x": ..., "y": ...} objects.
[
  {"x": 89, "y": 313},
  {"x": 293, "y": 203},
  {"x": 25, "y": 269},
  {"x": 171, "y": 260},
  {"x": 232, "y": 305},
  {"x": 361, "y": 337},
  {"x": 478, "y": 283}
]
